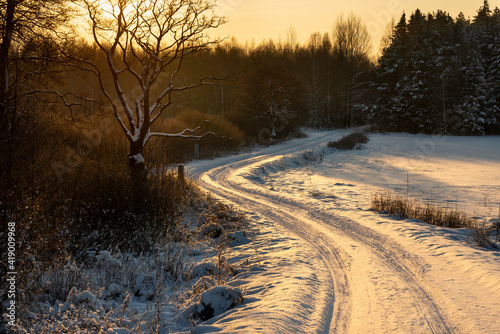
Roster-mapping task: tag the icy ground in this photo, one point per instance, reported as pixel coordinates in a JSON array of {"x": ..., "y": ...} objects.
[{"x": 323, "y": 262}]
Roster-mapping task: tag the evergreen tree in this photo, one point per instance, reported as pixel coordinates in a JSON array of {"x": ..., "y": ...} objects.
[
  {"x": 389, "y": 103},
  {"x": 441, "y": 74},
  {"x": 472, "y": 106},
  {"x": 436, "y": 70},
  {"x": 486, "y": 28}
]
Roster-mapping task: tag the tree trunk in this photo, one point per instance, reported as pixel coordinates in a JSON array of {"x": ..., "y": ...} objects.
[
  {"x": 138, "y": 177},
  {"x": 4, "y": 55},
  {"x": 6, "y": 123}
]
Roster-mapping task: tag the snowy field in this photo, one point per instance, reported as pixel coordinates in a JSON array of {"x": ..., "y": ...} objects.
[{"x": 330, "y": 264}]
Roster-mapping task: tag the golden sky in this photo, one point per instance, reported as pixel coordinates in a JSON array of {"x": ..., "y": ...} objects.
[{"x": 263, "y": 19}]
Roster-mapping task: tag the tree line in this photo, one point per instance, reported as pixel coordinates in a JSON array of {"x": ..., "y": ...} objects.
[
  {"x": 321, "y": 83},
  {"x": 435, "y": 74},
  {"x": 440, "y": 74}
]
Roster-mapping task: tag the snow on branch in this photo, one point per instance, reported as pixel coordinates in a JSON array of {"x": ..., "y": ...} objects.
[{"x": 183, "y": 134}]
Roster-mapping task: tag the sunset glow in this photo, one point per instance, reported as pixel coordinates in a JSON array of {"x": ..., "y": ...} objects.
[{"x": 263, "y": 19}]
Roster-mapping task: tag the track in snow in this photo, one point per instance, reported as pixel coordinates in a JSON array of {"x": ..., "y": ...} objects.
[{"x": 376, "y": 284}]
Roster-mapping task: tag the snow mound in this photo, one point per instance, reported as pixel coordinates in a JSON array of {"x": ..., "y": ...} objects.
[
  {"x": 216, "y": 301},
  {"x": 82, "y": 298}
]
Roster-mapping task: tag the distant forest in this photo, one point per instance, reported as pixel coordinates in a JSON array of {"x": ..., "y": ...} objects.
[{"x": 435, "y": 74}]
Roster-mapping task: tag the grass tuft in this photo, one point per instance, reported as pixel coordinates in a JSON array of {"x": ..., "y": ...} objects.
[
  {"x": 481, "y": 237},
  {"x": 431, "y": 214}
]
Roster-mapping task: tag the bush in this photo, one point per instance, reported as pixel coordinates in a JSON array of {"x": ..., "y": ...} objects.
[
  {"x": 480, "y": 236},
  {"x": 350, "y": 141}
]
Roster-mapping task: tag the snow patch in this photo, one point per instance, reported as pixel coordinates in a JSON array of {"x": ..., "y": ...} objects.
[
  {"x": 137, "y": 158},
  {"x": 216, "y": 301}
]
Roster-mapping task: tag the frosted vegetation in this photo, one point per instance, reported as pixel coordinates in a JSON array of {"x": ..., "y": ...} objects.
[{"x": 174, "y": 280}]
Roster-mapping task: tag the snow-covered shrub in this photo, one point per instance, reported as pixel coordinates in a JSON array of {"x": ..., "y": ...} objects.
[
  {"x": 217, "y": 221},
  {"x": 95, "y": 292},
  {"x": 203, "y": 284},
  {"x": 481, "y": 237},
  {"x": 211, "y": 230},
  {"x": 216, "y": 301},
  {"x": 311, "y": 156}
]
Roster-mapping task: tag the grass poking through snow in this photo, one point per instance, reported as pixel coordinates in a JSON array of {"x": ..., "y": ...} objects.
[
  {"x": 435, "y": 215},
  {"x": 428, "y": 213}
]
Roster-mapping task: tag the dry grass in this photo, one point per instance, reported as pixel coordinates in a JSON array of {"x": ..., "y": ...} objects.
[
  {"x": 481, "y": 237},
  {"x": 428, "y": 213}
]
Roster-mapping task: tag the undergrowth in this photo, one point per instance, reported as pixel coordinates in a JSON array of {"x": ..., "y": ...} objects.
[
  {"x": 84, "y": 248},
  {"x": 89, "y": 289}
]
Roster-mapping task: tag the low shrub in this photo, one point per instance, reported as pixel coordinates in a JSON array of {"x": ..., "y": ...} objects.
[{"x": 350, "y": 141}]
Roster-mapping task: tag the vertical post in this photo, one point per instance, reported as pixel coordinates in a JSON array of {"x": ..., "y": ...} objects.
[
  {"x": 498, "y": 223},
  {"x": 180, "y": 173},
  {"x": 196, "y": 151},
  {"x": 407, "y": 184},
  {"x": 222, "y": 86}
]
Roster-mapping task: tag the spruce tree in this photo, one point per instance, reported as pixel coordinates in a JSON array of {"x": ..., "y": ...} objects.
[{"x": 389, "y": 104}]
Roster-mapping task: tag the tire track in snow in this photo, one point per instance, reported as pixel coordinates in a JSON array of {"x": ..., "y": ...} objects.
[
  {"x": 316, "y": 228},
  {"x": 337, "y": 308},
  {"x": 391, "y": 255}
]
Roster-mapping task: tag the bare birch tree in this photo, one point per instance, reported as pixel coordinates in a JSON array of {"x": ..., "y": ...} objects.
[
  {"x": 145, "y": 40},
  {"x": 351, "y": 47}
]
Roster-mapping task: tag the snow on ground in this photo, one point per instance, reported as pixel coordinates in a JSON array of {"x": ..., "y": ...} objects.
[{"x": 329, "y": 264}]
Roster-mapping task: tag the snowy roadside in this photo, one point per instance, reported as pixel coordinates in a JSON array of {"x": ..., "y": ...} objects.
[
  {"x": 314, "y": 257},
  {"x": 326, "y": 189},
  {"x": 184, "y": 281},
  {"x": 459, "y": 172}
]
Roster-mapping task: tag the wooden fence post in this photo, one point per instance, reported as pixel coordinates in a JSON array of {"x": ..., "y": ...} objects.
[
  {"x": 196, "y": 150},
  {"x": 180, "y": 173}
]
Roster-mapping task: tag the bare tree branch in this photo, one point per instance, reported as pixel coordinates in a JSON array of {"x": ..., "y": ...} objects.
[{"x": 144, "y": 40}]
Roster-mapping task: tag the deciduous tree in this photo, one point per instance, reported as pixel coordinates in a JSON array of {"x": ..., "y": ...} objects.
[
  {"x": 351, "y": 49},
  {"x": 147, "y": 41}
]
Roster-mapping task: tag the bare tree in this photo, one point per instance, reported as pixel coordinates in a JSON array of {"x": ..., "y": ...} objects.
[
  {"x": 20, "y": 22},
  {"x": 147, "y": 41},
  {"x": 351, "y": 47},
  {"x": 271, "y": 99},
  {"x": 351, "y": 38}
]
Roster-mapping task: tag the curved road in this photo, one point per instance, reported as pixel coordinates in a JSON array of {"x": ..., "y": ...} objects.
[{"x": 377, "y": 286}]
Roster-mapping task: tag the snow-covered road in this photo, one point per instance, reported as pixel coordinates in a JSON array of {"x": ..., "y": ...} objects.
[{"x": 329, "y": 265}]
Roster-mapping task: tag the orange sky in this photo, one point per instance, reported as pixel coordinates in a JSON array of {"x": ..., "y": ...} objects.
[{"x": 264, "y": 19}]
